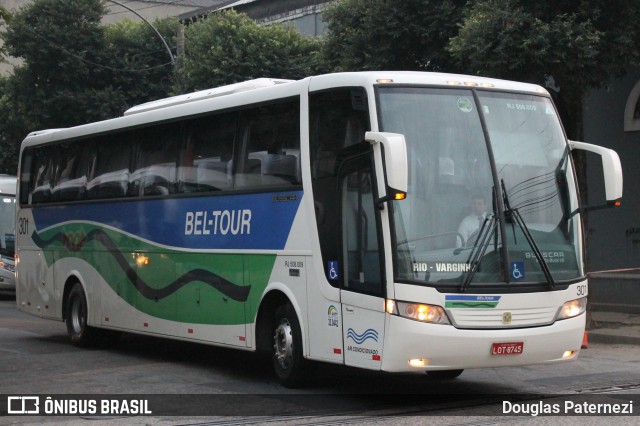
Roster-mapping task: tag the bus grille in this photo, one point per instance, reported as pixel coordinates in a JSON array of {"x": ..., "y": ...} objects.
[{"x": 502, "y": 318}]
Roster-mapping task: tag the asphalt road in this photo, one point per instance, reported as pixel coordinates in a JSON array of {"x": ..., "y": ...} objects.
[{"x": 182, "y": 380}]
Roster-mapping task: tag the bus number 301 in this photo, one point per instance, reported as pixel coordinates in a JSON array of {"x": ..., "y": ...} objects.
[{"x": 23, "y": 226}]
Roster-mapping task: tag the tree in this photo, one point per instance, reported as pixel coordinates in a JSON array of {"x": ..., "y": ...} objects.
[
  {"x": 59, "y": 42},
  {"x": 75, "y": 70},
  {"x": 229, "y": 47},
  {"x": 391, "y": 35},
  {"x": 571, "y": 46},
  {"x": 141, "y": 69}
]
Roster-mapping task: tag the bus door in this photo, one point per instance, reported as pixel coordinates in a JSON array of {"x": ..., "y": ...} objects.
[{"x": 362, "y": 282}]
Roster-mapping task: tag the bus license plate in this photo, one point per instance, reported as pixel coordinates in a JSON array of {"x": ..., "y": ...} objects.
[{"x": 508, "y": 348}]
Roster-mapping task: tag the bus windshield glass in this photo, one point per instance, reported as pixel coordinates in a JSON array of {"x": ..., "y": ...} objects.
[{"x": 491, "y": 195}]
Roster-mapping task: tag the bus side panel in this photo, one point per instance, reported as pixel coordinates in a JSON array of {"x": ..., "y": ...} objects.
[
  {"x": 73, "y": 270},
  {"x": 35, "y": 286},
  {"x": 35, "y": 292},
  {"x": 325, "y": 318},
  {"x": 203, "y": 312},
  {"x": 116, "y": 311},
  {"x": 152, "y": 280}
]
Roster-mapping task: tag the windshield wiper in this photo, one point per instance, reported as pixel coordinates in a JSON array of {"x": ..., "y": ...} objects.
[
  {"x": 512, "y": 215},
  {"x": 479, "y": 248}
]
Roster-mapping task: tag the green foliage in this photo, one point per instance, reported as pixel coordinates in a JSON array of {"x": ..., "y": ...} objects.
[
  {"x": 391, "y": 35},
  {"x": 56, "y": 41},
  {"x": 75, "y": 70},
  {"x": 229, "y": 47},
  {"x": 576, "y": 45},
  {"x": 49, "y": 32},
  {"x": 140, "y": 66}
]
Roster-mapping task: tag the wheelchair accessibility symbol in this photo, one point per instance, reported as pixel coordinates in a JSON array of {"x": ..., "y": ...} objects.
[
  {"x": 333, "y": 270},
  {"x": 517, "y": 271}
]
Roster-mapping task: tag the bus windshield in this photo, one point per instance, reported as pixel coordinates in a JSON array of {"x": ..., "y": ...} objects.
[{"x": 491, "y": 195}]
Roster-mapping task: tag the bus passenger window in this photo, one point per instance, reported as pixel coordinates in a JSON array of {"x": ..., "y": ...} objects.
[
  {"x": 109, "y": 167},
  {"x": 71, "y": 172},
  {"x": 26, "y": 175},
  {"x": 40, "y": 191},
  {"x": 155, "y": 165},
  {"x": 207, "y": 160},
  {"x": 271, "y": 147}
]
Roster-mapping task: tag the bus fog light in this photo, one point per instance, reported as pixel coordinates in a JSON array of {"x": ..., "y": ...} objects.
[
  {"x": 418, "y": 362},
  {"x": 573, "y": 308},
  {"x": 568, "y": 354}
]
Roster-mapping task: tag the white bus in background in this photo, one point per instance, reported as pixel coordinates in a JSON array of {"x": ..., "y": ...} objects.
[
  {"x": 318, "y": 220},
  {"x": 7, "y": 234}
]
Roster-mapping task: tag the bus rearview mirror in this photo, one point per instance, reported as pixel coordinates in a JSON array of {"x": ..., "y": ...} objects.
[
  {"x": 611, "y": 167},
  {"x": 395, "y": 163}
]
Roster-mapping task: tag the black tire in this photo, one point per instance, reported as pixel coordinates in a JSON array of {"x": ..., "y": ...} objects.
[
  {"x": 288, "y": 362},
  {"x": 444, "y": 374},
  {"x": 76, "y": 315}
]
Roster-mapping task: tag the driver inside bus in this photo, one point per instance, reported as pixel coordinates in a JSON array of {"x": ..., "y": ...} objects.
[{"x": 472, "y": 223}]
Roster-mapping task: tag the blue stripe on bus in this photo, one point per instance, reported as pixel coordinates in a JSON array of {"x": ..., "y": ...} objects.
[{"x": 240, "y": 221}]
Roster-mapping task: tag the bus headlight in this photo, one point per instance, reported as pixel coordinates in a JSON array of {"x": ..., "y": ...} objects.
[
  {"x": 419, "y": 312},
  {"x": 573, "y": 308}
]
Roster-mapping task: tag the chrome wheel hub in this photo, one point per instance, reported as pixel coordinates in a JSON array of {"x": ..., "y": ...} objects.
[{"x": 283, "y": 344}]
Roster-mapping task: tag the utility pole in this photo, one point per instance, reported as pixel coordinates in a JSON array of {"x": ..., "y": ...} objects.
[{"x": 180, "y": 51}]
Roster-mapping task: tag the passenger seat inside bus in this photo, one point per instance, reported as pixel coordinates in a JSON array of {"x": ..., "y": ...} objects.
[
  {"x": 276, "y": 168},
  {"x": 213, "y": 174}
]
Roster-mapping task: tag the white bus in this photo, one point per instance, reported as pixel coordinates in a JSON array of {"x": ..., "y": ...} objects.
[
  {"x": 7, "y": 234},
  {"x": 319, "y": 220}
]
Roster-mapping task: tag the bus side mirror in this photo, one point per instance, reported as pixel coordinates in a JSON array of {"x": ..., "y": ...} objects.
[
  {"x": 611, "y": 167},
  {"x": 396, "y": 170}
]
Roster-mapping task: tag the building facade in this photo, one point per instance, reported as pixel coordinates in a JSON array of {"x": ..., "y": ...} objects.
[
  {"x": 304, "y": 15},
  {"x": 612, "y": 119}
]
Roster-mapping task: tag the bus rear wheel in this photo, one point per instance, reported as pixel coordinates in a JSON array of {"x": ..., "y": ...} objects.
[
  {"x": 288, "y": 362},
  {"x": 76, "y": 315}
]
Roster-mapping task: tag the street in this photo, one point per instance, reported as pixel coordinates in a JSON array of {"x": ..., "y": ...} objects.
[{"x": 37, "y": 359}]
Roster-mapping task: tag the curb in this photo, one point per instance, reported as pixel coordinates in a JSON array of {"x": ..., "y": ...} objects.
[{"x": 623, "y": 335}]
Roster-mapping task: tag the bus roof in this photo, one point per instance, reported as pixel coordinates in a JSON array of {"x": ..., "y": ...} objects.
[
  {"x": 266, "y": 89},
  {"x": 206, "y": 94},
  {"x": 368, "y": 78}
]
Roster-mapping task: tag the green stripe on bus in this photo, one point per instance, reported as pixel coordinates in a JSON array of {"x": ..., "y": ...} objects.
[
  {"x": 459, "y": 304},
  {"x": 200, "y": 288}
]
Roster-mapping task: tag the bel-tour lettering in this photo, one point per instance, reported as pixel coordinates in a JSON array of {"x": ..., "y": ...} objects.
[{"x": 218, "y": 222}]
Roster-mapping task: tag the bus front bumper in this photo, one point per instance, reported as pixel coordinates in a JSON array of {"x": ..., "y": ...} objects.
[{"x": 412, "y": 346}]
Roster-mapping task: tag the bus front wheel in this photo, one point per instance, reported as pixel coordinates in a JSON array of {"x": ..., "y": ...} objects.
[{"x": 288, "y": 362}]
